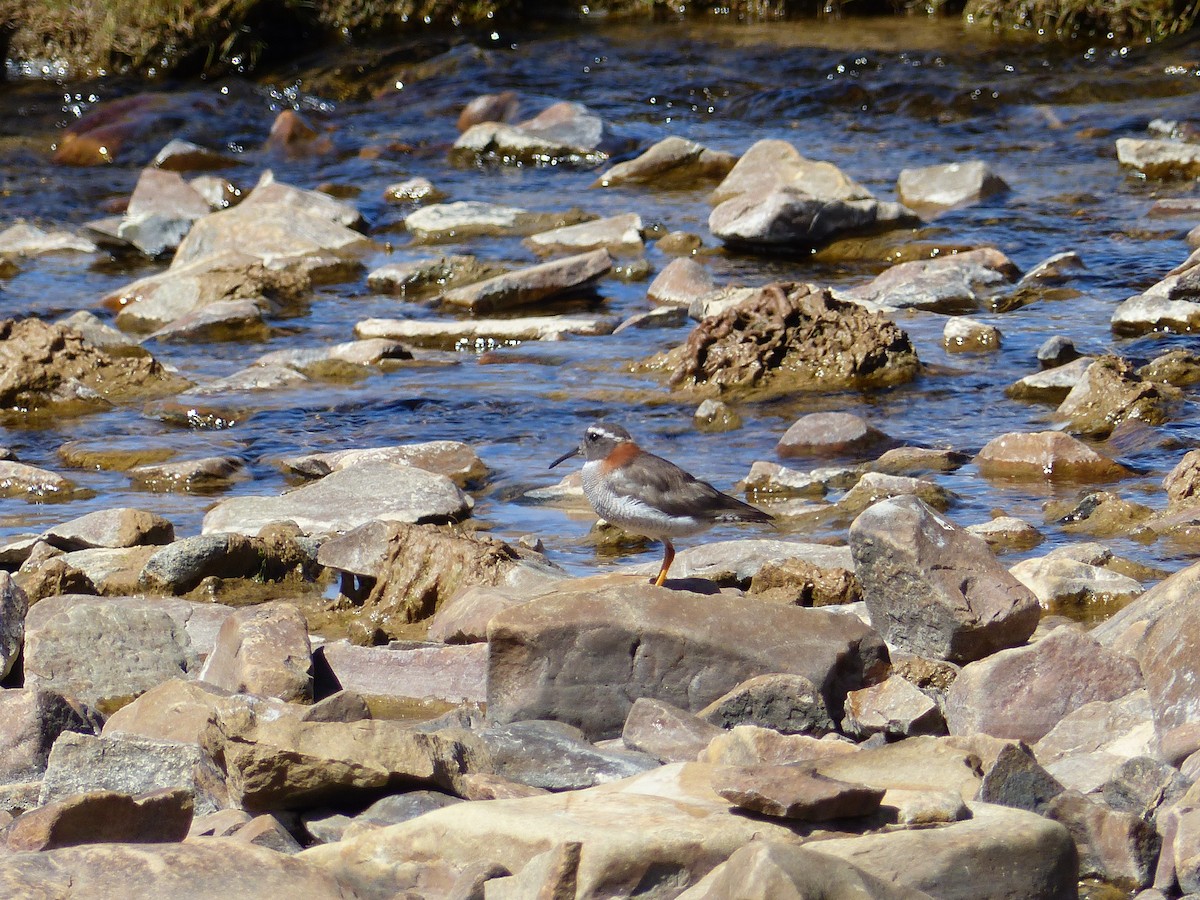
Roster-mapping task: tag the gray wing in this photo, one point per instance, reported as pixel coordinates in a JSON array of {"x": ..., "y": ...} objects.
[{"x": 679, "y": 493}]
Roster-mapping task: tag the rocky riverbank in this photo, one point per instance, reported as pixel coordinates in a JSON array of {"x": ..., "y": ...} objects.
[{"x": 354, "y": 688}]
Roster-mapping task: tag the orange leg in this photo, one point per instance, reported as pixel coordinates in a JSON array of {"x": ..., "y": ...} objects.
[{"x": 668, "y": 558}]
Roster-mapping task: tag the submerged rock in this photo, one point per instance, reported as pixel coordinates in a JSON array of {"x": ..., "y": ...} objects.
[{"x": 788, "y": 337}]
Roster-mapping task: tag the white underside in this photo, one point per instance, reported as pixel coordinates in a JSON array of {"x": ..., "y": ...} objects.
[{"x": 632, "y": 514}]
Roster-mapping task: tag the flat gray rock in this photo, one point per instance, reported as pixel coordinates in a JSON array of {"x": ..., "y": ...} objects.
[
  {"x": 532, "y": 285},
  {"x": 346, "y": 499},
  {"x": 485, "y": 334},
  {"x": 14, "y": 605}
]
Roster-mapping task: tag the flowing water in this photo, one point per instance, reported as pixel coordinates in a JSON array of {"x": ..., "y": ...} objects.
[{"x": 872, "y": 96}]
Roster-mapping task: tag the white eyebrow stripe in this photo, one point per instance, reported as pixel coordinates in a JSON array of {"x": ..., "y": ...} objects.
[{"x": 602, "y": 432}]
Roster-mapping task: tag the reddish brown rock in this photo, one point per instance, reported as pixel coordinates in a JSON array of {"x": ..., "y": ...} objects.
[
  {"x": 794, "y": 792},
  {"x": 263, "y": 650},
  {"x": 831, "y": 434},
  {"x": 454, "y": 674},
  {"x": 666, "y": 732},
  {"x": 682, "y": 281},
  {"x": 1046, "y": 455},
  {"x": 500, "y": 107},
  {"x": 162, "y": 816},
  {"x": 30, "y": 722},
  {"x": 1022, "y": 693}
]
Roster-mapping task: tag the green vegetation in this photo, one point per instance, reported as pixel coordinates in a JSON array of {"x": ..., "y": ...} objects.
[{"x": 1070, "y": 19}]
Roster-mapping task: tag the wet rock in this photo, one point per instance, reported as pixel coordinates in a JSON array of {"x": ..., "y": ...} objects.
[
  {"x": 178, "y": 155},
  {"x": 423, "y": 277},
  {"x": 102, "y": 336},
  {"x": 188, "y": 408},
  {"x": 1046, "y": 455},
  {"x": 1100, "y": 513},
  {"x": 965, "y": 335},
  {"x": 574, "y": 638},
  {"x": 1156, "y": 630},
  {"x": 338, "y": 359},
  {"x": 210, "y": 474},
  {"x": 24, "y": 239},
  {"x": 500, "y": 107},
  {"x": 484, "y": 334},
  {"x": 749, "y": 745},
  {"x": 414, "y": 190},
  {"x": 679, "y": 243},
  {"x": 531, "y": 285},
  {"x": 183, "y": 564},
  {"x": 790, "y": 337},
  {"x": 1182, "y": 483},
  {"x": 680, "y": 282},
  {"x": 1115, "y": 847},
  {"x": 220, "y": 193},
  {"x": 233, "y": 320},
  {"x": 666, "y": 732},
  {"x": 273, "y": 763},
  {"x": 934, "y": 589},
  {"x": 1180, "y": 368},
  {"x": 119, "y": 527},
  {"x": 894, "y": 708},
  {"x": 31, "y": 483},
  {"x": 472, "y": 218},
  {"x": 1056, "y": 351},
  {"x": 1110, "y": 393},
  {"x": 46, "y": 365},
  {"x": 1158, "y": 158},
  {"x": 94, "y": 817},
  {"x": 947, "y": 284},
  {"x": 716, "y": 416},
  {"x": 789, "y": 704},
  {"x": 775, "y": 198},
  {"x": 562, "y": 133},
  {"x": 1027, "y": 856},
  {"x": 452, "y": 674},
  {"x": 1051, "y": 385},
  {"x": 293, "y": 134},
  {"x": 161, "y": 211},
  {"x": 1172, "y": 303},
  {"x": 618, "y": 234},
  {"x": 454, "y": 459},
  {"x": 769, "y": 870},
  {"x": 950, "y": 185},
  {"x": 1062, "y": 584},
  {"x": 791, "y": 792},
  {"x": 771, "y": 478},
  {"x": 263, "y": 650},
  {"x": 1006, "y": 534},
  {"x": 30, "y": 722},
  {"x": 672, "y": 162},
  {"x": 556, "y": 757},
  {"x": 276, "y": 222},
  {"x": 14, "y": 605},
  {"x": 873, "y": 487},
  {"x": 346, "y": 499},
  {"x": 105, "y": 134},
  {"x": 831, "y": 434},
  {"x": 111, "y": 455},
  {"x": 138, "y": 870},
  {"x": 79, "y": 763},
  {"x": 1022, "y": 693},
  {"x": 160, "y": 299},
  {"x": 1016, "y": 780}
]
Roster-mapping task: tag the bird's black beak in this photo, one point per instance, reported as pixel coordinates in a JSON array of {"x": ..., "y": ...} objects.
[{"x": 565, "y": 456}]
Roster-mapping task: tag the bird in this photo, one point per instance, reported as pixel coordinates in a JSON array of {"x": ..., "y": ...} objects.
[{"x": 648, "y": 495}]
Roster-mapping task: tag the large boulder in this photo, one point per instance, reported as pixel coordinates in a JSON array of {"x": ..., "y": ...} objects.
[
  {"x": 30, "y": 722},
  {"x": 788, "y": 337},
  {"x": 49, "y": 365},
  {"x": 1022, "y": 693},
  {"x": 196, "y": 870},
  {"x": 263, "y": 650},
  {"x": 935, "y": 589},
  {"x": 1159, "y": 630},
  {"x": 583, "y": 656}
]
